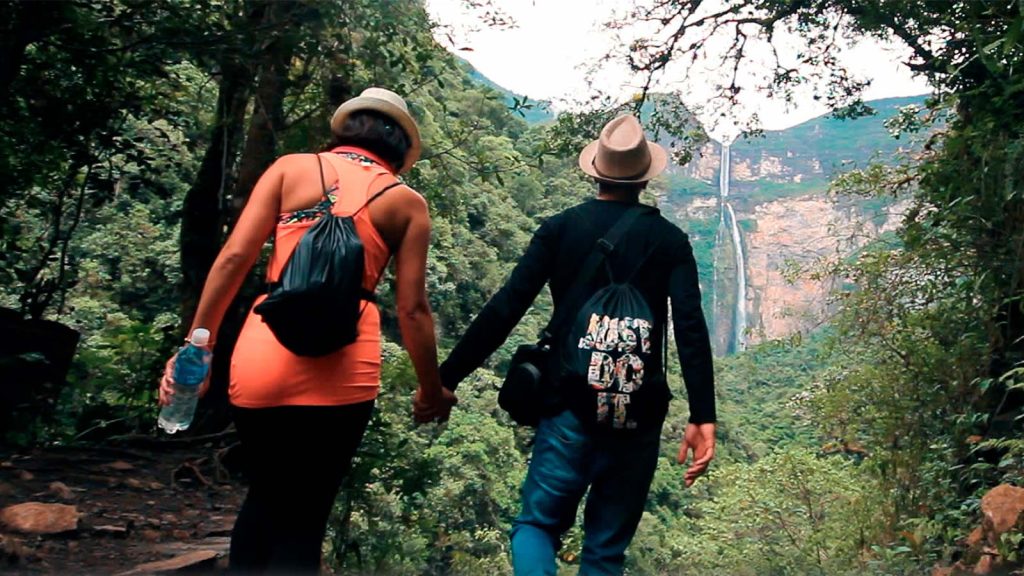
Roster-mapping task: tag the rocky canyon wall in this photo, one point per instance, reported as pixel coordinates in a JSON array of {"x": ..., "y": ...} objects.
[
  {"x": 792, "y": 244},
  {"x": 790, "y": 227}
]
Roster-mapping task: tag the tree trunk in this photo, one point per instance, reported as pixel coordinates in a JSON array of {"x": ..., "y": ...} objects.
[
  {"x": 201, "y": 214},
  {"x": 202, "y": 217},
  {"x": 267, "y": 121},
  {"x": 23, "y": 24}
]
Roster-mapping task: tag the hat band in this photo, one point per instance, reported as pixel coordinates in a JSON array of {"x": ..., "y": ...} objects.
[{"x": 593, "y": 162}]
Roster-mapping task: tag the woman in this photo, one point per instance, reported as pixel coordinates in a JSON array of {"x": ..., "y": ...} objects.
[{"x": 301, "y": 419}]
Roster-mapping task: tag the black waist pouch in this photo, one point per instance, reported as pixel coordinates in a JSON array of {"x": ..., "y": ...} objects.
[{"x": 528, "y": 392}]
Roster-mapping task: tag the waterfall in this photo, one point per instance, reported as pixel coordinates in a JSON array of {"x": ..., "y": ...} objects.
[
  {"x": 741, "y": 283},
  {"x": 723, "y": 174},
  {"x": 731, "y": 230},
  {"x": 720, "y": 235}
]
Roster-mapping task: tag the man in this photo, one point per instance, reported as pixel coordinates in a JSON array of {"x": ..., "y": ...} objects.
[{"x": 569, "y": 454}]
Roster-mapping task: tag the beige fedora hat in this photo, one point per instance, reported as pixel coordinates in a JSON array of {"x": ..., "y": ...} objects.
[
  {"x": 622, "y": 154},
  {"x": 389, "y": 104}
]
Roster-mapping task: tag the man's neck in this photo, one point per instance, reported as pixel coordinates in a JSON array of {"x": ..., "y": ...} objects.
[{"x": 619, "y": 196}]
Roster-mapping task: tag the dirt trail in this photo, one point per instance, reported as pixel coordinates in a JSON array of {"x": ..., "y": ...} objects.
[{"x": 151, "y": 502}]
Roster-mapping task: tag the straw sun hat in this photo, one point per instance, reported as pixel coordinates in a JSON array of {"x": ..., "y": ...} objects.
[
  {"x": 389, "y": 104},
  {"x": 622, "y": 155}
]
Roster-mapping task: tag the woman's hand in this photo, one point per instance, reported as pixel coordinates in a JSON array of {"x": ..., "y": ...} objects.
[
  {"x": 433, "y": 407},
  {"x": 167, "y": 382}
]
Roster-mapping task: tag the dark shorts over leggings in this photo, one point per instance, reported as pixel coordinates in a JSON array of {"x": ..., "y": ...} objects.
[{"x": 296, "y": 458}]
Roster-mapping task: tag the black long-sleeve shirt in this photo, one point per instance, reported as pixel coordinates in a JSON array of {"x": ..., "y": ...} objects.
[{"x": 557, "y": 252}]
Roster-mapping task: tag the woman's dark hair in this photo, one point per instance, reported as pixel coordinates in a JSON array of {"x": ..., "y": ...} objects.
[{"x": 377, "y": 134}]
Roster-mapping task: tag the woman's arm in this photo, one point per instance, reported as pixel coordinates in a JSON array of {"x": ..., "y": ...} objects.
[
  {"x": 236, "y": 258},
  {"x": 233, "y": 263},
  {"x": 415, "y": 318}
]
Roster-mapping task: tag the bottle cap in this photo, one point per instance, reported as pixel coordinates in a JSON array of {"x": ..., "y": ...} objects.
[{"x": 200, "y": 337}]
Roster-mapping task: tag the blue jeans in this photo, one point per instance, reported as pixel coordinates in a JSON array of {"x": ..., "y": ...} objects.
[{"x": 566, "y": 460}]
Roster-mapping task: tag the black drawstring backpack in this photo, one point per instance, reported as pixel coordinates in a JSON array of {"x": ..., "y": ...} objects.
[
  {"x": 314, "y": 307},
  {"x": 544, "y": 377},
  {"x": 607, "y": 354}
]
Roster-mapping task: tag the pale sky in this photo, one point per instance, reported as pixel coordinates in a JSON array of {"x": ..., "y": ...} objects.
[{"x": 545, "y": 56}]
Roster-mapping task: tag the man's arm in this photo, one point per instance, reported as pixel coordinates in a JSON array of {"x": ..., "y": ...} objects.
[
  {"x": 692, "y": 341},
  {"x": 504, "y": 310},
  {"x": 694, "y": 347}
]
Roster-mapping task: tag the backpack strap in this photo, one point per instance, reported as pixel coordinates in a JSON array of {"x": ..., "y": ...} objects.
[
  {"x": 664, "y": 352},
  {"x": 664, "y": 355},
  {"x": 368, "y": 295},
  {"x": 641, "y": 262},
  {"x": 323, "y": 183},
  {"x": 339, "y": 168},
  {"x": 367, "y": 180},
  {"x": 602, "y": 248},
  {"x": 377, "y": 195}
]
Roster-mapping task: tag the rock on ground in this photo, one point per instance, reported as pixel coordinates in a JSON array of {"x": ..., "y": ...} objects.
[
  {"x": 40, "y": 518},
  {"x": 190, "y": 560},
  {"x": 134, "y": 511},
  {"x": 1002, "y": 510}
]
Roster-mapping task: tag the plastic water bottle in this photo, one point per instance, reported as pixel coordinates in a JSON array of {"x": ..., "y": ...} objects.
[{"x": 190, "y": 368}]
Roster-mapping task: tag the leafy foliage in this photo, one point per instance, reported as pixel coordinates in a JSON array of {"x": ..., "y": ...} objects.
[{"x": 791, "y": 512}]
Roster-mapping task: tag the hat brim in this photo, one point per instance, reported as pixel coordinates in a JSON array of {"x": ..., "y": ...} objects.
[
  {"x": 659, "y": 161},
  {"x": 404, "y": 120}
]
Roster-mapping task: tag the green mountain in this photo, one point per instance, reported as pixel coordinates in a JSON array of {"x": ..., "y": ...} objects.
[
  {"x": 805, "y": 157},
  {"x": 533, "y": 111},
  {"x": 847, "y": 139}
]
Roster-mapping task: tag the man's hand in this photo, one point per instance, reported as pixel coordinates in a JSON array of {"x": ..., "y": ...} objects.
[
  {"x": 433, "y": 407},
  {"x": 167, "y": 383},
  {"x": 700, "y": 438}
]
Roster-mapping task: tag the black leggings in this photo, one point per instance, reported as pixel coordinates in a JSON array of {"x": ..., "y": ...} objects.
[{"x": 296, "y": 457}]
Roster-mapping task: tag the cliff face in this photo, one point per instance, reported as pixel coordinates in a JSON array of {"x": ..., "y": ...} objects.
[
  {"x": 704, "y": 166},
  {"x": 793, "y": 241},
  {"x": 774, "y": 169},
  {"x": 791, "y": 229}
]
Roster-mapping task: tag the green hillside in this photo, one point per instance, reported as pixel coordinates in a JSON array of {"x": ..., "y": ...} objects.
[
  {"x": 533, "y": 111},
  {"x": 820, "y": 148},
  {"x": 834, "y": 138}
]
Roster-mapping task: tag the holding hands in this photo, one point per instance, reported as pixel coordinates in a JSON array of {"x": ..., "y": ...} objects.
[{"x": 433, "y": 405}]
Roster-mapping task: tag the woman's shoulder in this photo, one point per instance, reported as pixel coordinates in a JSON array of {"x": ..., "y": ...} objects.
[
  {"x": 303, "y": 159},
  {"x": 397, "y": 197},
  {"x": 291, "y": 165},
  {"x": 406, "y": 196}
]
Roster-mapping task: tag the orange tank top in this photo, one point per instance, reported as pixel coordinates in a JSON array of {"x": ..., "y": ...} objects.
[{"x": 264, "y": 373}]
